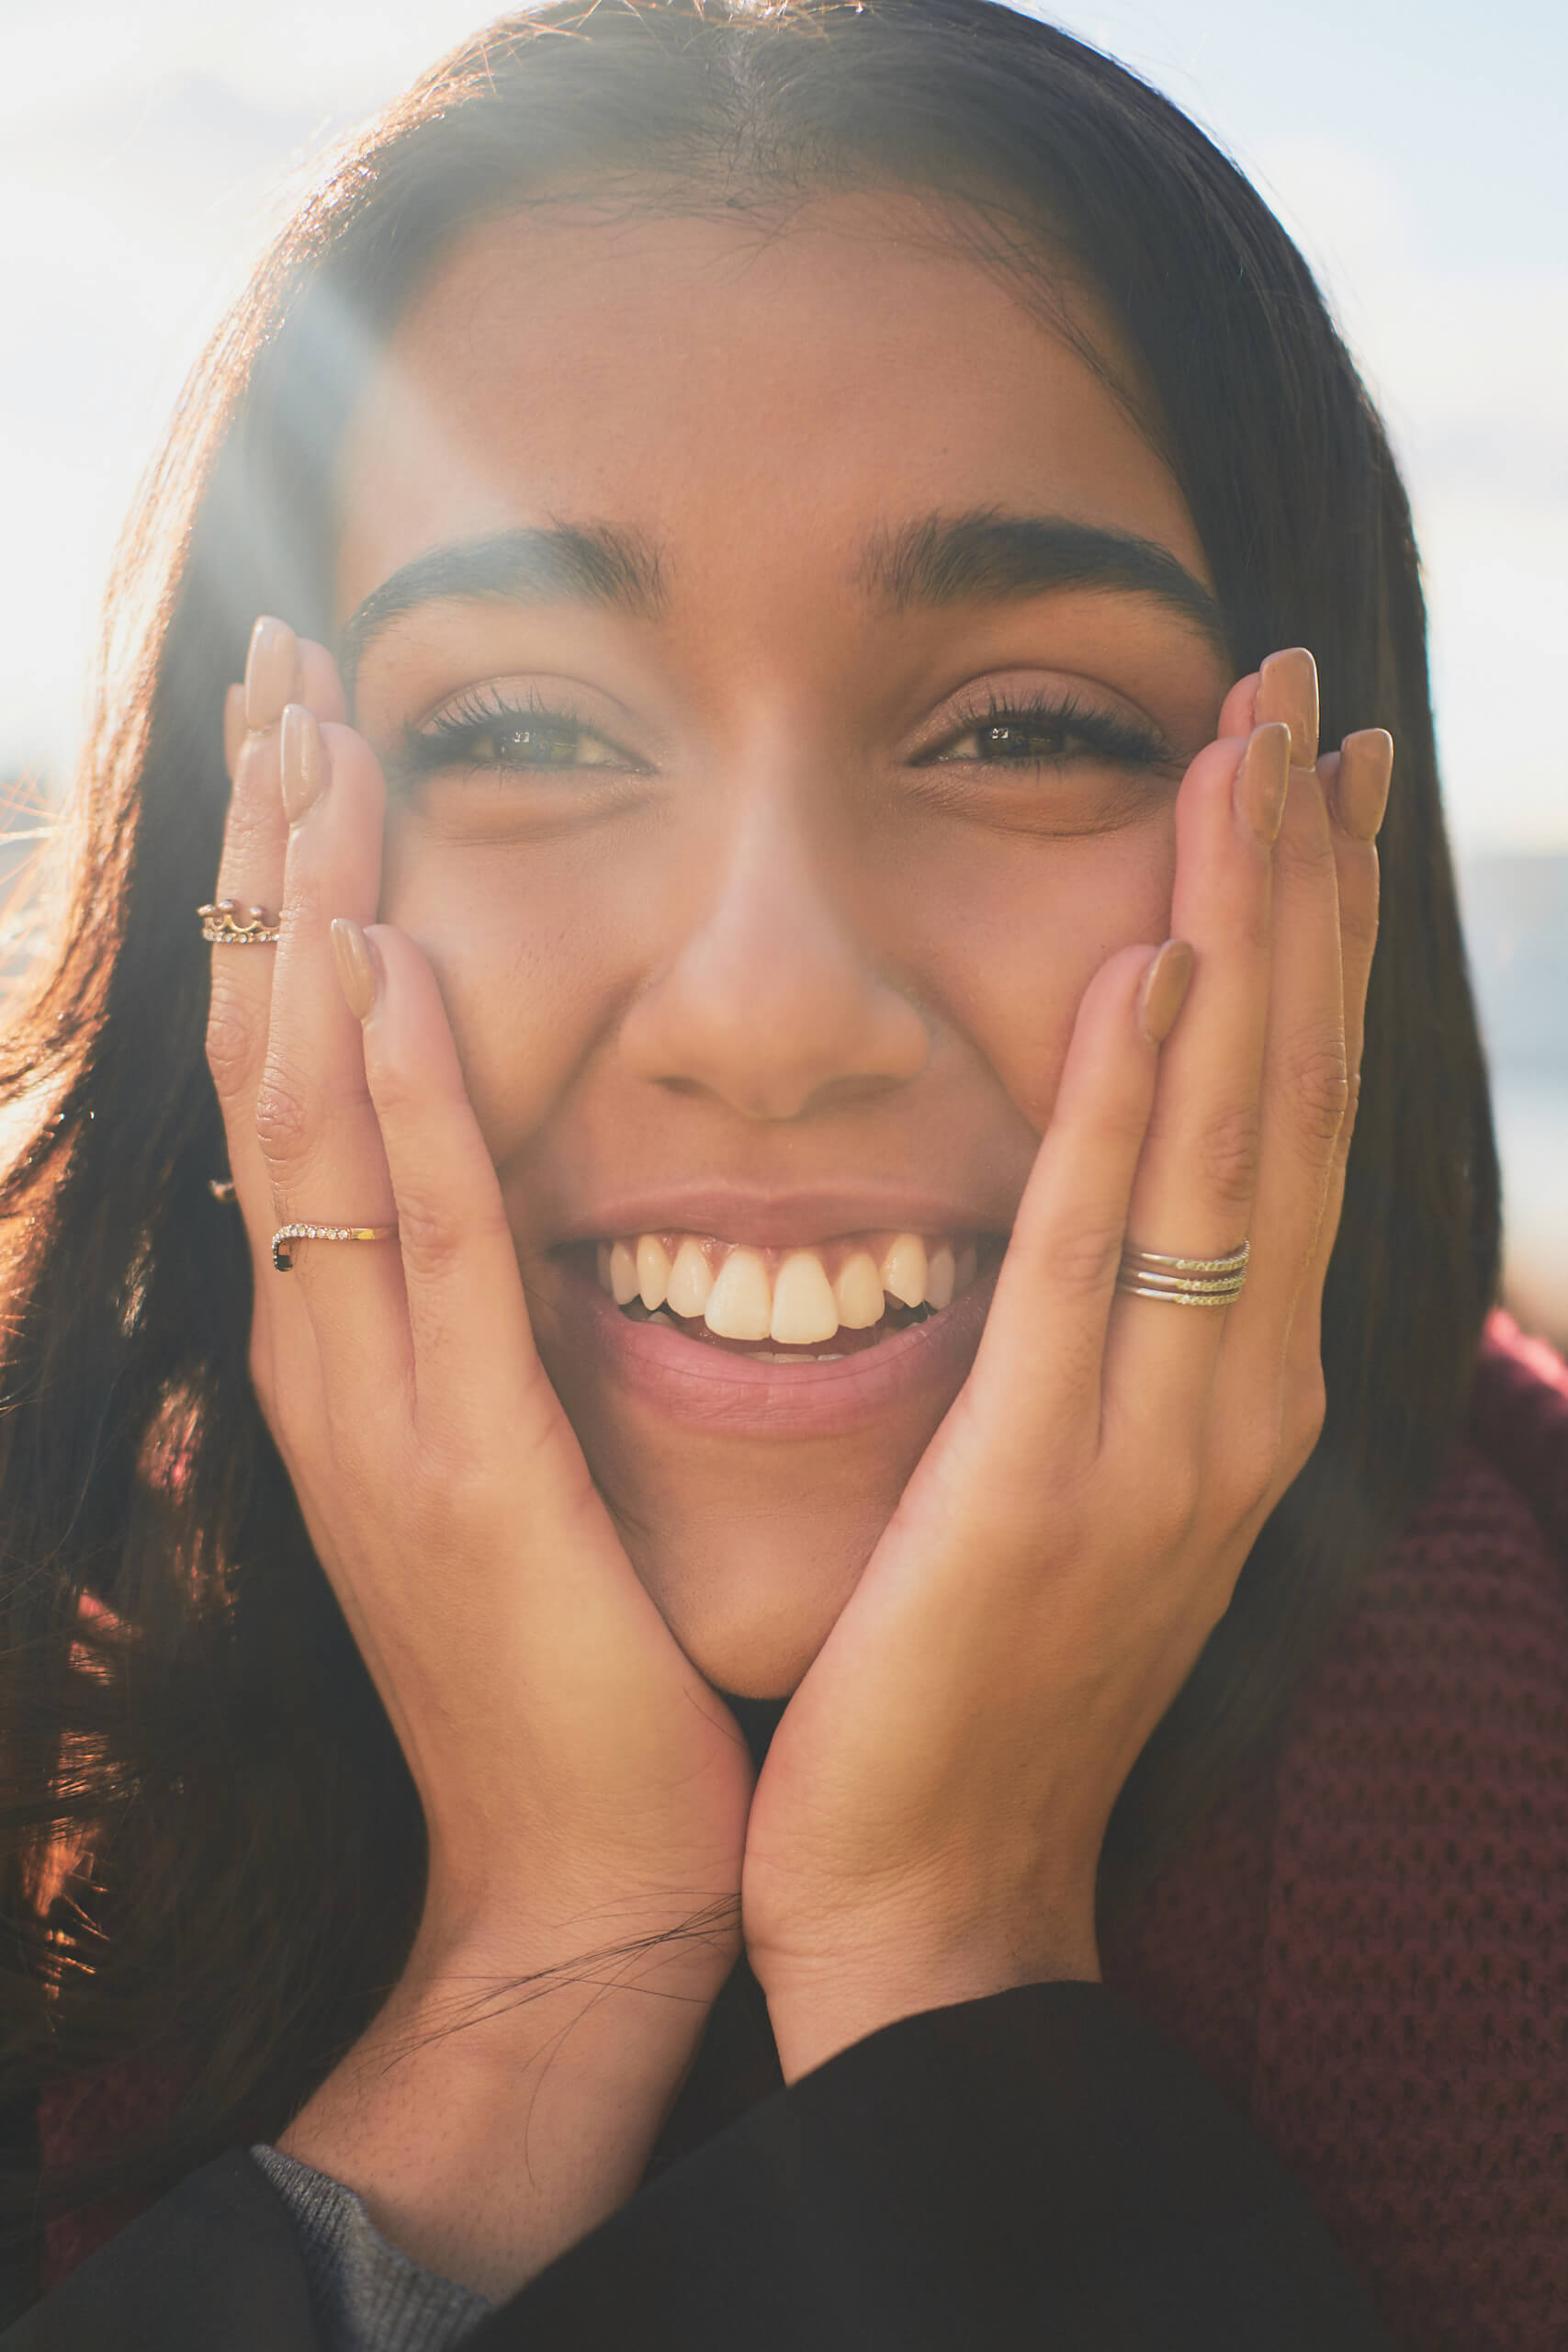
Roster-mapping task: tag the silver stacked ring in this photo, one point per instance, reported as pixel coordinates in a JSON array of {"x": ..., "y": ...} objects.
[{"x": 1184, "y": 1281}]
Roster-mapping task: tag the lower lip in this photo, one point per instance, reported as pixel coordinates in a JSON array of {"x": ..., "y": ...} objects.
[{"x": 708, "y": 1388}]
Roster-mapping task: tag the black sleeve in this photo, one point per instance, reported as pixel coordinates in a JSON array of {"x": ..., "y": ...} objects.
[
  {"x": 214, "y": 2268},
  {"x": 1039, "y": 2169}
]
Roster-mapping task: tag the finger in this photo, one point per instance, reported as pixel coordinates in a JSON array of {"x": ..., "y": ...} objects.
[
  {"x": 320, "y": 688},
  {"x": 251, "y": 872},
  {"x": 1238, "y": 712},
  {"x": 1306, "y": 1096},
  {"x": 1356, "y": 783},
  {"x": 314, "y": 1120},
  {"x": 473, "y": 1353},
  {"x": 1042, "y": 1355},
  {"x": 233, "y": 728},
  {"x": 1287, "y": 689},
  {"x": 1195, "y": 1192}
]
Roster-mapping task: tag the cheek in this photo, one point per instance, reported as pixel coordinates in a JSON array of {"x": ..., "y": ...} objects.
[
  {"x": 1014, "y": 933},
  {"x": 520, "y": 962}
]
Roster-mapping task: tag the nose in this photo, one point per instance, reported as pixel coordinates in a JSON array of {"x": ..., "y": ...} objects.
[{"x": 771, "y": 1002}]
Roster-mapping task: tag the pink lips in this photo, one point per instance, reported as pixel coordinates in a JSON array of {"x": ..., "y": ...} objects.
[{"x": 708, "y": 1389}]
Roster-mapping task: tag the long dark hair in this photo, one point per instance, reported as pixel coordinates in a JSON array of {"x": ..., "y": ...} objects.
[{"x": 196, "y": 1768}]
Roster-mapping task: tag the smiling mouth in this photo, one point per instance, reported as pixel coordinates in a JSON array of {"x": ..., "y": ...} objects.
[{"x": 801, "y": 1305}]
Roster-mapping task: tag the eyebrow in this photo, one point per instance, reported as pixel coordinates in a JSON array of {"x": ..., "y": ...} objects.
[
  {"x": 974, "y": 557},
  {"x": 986, "y": 556},
  {"x": 585, "y": 563}
]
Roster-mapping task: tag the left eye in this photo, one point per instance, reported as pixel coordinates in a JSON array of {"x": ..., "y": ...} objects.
[
  {"x": 1052, "y": 735},
  {"x": 1015, "y": 738}
]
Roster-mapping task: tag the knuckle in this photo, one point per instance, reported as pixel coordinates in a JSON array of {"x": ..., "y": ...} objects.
[
  {"x": 429, "y": 1236},
  {"x": 1359, "y": 923},
  {"x": 284, "y": 1121},
  {"x": 360, "y": 1453},
  {"x": 1082, "y": 1259},
  {"x": 1303, "y": 855},
  {"x": 1174, "y": 1509},
  {"x": 235, "y": 1031},
  {"x": 401, "y": 1097},
  {"x": 1229, "y": 1154},
  {"x": 1319, "y": 1086},
  {"x": 1253, "y": 1474},
  {"x": 1304, "y": 1420}
]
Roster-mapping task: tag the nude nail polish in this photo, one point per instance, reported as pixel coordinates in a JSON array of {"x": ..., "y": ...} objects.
[
  {"x": 1163, "y": 991},
  {"x": 356, "y": 971},
  {"x": 1287, "y": 689},
  {"x": 1263, "y": 779},
  {"x": 303, "y": 760},
  {"x": 270, "y": 669},
  {"x": 1360, "y": 790}
]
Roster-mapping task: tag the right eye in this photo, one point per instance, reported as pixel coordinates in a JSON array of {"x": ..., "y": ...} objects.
[{"x": 485, "y": 732}]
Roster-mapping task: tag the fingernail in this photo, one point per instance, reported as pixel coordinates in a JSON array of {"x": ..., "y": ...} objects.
[
  {"x": 269, "y": 671},
  {"x": 1263, "y": 779},
  {"x": 1360, "y": 790},
  {"x": 357, "y": 972},
  {"x": 1163, "y": 991},
  {"x": 303, "y": 760},
  {"x": 233, "y": 727},
  {"x": 1287, "y": 689}
]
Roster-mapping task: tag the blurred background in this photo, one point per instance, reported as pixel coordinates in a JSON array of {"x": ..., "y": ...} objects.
[{"x": 148, "y": 146}]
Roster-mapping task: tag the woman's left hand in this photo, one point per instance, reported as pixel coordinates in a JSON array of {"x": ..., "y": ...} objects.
[{"x": 928, "y": 1826}]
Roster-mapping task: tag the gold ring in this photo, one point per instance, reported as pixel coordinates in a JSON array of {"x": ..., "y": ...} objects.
[
  {"x": 229, "y": 924},
  {"x": 1184, "y": 1281},
  {"x": 283, "y": 1256}
]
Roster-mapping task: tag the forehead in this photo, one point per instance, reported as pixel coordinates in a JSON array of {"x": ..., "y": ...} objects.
[{"x": 738, "y": 394}]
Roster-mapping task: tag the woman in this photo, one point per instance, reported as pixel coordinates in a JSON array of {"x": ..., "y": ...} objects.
[{"x": 752, "y": 1389}]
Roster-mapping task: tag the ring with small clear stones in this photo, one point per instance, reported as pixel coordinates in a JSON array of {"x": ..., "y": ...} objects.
[
  {"x": 283, "y": 1256},
  {"x": 1184, "y": 1281}
]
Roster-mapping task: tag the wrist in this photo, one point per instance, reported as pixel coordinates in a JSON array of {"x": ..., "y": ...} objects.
[
  {"x": 684, "y": 1943},
  {"x": 509, "y": 2094},
  {"x": 822, "y": 2004}
]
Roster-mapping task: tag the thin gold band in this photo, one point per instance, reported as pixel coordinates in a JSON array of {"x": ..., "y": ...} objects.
[{"x": 283, "y": 1256}]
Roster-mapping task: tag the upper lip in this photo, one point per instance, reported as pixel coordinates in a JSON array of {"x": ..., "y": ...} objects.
[{"x": 775, "y": 1220}]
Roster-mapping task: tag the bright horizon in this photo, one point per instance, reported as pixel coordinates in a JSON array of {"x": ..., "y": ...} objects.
[{"x": 142, "y": 160}]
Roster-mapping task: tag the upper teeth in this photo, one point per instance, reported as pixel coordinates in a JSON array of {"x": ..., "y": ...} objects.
[{"x": 797, "y": 1296}]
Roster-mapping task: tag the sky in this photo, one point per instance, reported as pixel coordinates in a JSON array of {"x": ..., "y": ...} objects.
[{"x": 1413, "y": 147}]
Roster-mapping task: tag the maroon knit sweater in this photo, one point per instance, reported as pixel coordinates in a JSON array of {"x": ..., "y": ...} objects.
[{"x": 1366, "y": 1947}]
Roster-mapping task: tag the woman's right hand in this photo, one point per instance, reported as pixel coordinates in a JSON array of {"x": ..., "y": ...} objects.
[{"x": 584, "y": 1792}]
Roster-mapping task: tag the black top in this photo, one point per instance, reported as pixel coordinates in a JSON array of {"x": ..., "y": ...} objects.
[{"x": 1039, "y": 2169}]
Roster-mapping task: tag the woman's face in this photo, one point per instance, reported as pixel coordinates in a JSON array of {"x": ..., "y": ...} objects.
[{"x": 783, "y": 716}]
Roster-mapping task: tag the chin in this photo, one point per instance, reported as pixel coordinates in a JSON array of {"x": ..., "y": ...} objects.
[{"x": 752, "y": 1601}]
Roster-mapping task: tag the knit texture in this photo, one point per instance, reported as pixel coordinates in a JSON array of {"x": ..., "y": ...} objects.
[
  {"x": 364, "y": 2292},
  {"x": 1369, "y": 1949},
  {"x": 1366, "y": 1945}
]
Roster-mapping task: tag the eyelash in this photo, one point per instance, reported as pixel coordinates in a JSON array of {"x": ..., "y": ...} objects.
[
  {"x": 450, "y": 741},
  {"x": 1116, "y": 740}
]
